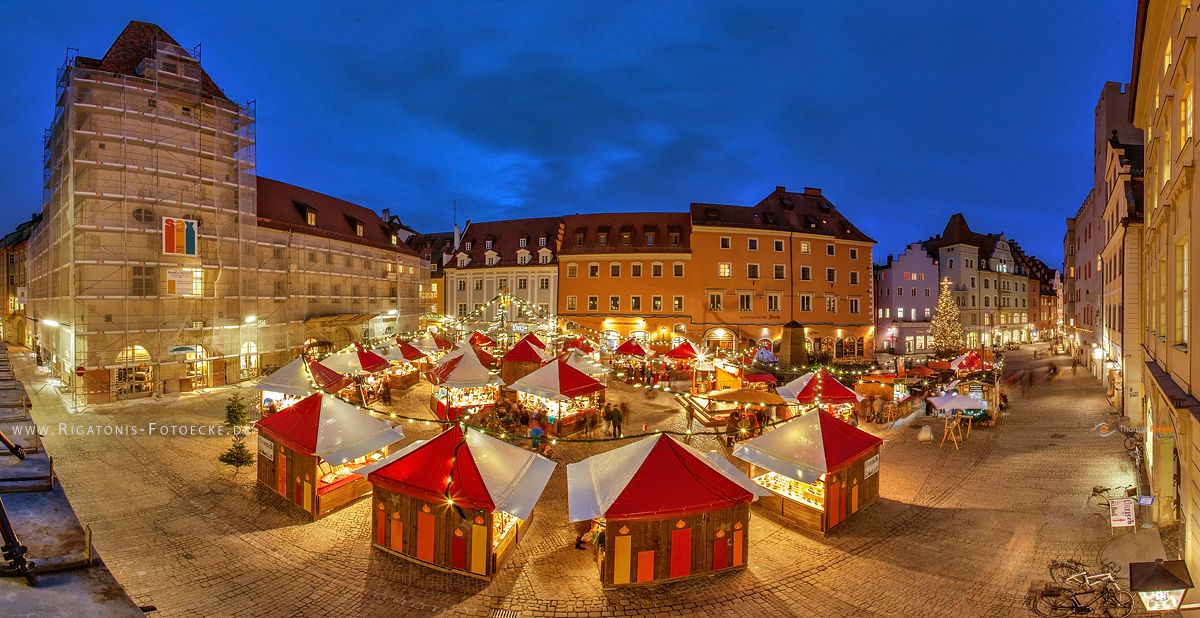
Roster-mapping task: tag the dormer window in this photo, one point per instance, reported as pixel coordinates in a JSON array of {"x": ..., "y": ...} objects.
[
  {"x": 462, "y": 261},
  {"x": 492, "y": 260},
  {"x": 579, "y": 239},
  {"x": 310, "y": 216},
  {"x": 358, "y": 229},
  {"x": 523, "y": 258},
  {"x": 649, "y": 239},
  {"x": 626, "y": 238},
  {"x": 395, "y": 239},
  {"x": 524, "y": 242},
  {"x": 542, "y": 241},
  {"x": 602, "y": 239},
  {"x": 487, "y": 244},
  {"x": 544, "y": 258},
  {"x": 469, "y": 244},
  {"x": 674, "y": 239}
]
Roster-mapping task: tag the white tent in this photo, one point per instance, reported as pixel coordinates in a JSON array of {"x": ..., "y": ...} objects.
[
  {"x": 558, "y": 381},
  {"x": 596, "y": 483},
  {"x": 583, "y": 362},
  {"x": 461, "y": 368},
  {"x": 957, "y": 402},
  {"x": 513, "y": 477},
  {"x": 807, "y": 446},
  {"x": 330, "y": 428},
  {"x": 425, "y": 343},
  {"x": 290, "y": 379}
]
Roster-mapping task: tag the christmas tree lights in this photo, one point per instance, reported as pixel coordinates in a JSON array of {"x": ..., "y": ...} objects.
[{"x": 946, "y": 326}]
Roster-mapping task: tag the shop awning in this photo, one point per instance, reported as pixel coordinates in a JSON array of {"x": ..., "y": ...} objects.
[
  {"x": 479, "y": 339},
  {"x": 462, "y": 369},
  {"x": 807, "y": 446},
  {"x": 684, "y": 351},
  {"x": 354, "y": 360},
  {"x": 631, "y": 348},
  {"x": 817, "y": 387},
  {"x": 759, "y": 377},
  {"x": 327, "y": 379},
  {"x": 582, "y": 362},
  {"x": 524, "y": 352},
  {"x": 745, "y": 395},
  {"x": 329, "y": 428},
  {"x": 290, "y": 379},
  {"x": 557, "y": 381},
  {"x": 657, "y": 476},
  {"x": 474, "y": 469}
]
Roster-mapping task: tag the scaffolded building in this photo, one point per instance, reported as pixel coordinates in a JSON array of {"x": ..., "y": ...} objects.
[{"x": 149, "y": 272}]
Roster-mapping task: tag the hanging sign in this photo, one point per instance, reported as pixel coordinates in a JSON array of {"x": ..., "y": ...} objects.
[
  {"x": 179, "y": 236},
  {"x": 1121, "y": 513},
  {"x": 266, "y": 448},
  {"x": 871, "y": 466}
]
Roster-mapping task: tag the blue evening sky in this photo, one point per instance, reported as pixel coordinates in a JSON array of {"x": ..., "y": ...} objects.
[{"x": 903, "y": 112}]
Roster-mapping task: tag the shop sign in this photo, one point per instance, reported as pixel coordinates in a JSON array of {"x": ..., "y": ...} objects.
[
  {"x": 871, "y": 466},
  {"x": 266, "y": 448},
  {"x": 1121, "y": 513}
]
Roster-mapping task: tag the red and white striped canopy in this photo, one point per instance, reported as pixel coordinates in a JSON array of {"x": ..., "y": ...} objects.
[
  {"x": 818, "y": 387},
  {"x": 354, "y": 360},
  {"x": 462, "y": 369},
  {"x": 329, "y": 428},
  {"x": 558, "y": 381}
]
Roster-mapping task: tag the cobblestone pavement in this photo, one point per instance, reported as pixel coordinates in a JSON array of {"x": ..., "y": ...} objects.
[{"x": 964, "y": 533}]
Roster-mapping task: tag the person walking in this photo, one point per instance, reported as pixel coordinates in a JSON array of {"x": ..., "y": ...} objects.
[
  {"x": 617, "y": 419},
  {"x": 608, "y": 419},
  {"x": 583, "y": 529}
]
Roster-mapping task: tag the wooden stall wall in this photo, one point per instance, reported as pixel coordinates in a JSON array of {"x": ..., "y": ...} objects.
[
  {"x": 433, "y": 533},
  {"x": 848, "y": 491},
  {"x": 655, "y": 550},
  {"x": 290, "y": 474},
  {"x": 511, "y": 371}
]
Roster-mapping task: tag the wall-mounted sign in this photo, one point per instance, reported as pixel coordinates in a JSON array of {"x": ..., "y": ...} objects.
[
  {"x": 266, "y": 448},
  {"x": 871, "y": 467},
  {"x": 181, "y": 282},
  {"x": 179, "y": 236}
]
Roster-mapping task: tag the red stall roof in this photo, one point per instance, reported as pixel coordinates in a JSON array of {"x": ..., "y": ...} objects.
[
  {"x": 808, "y": 446},
  {"x": 479, "y": 339},
  {"x": 327, "y": 379},
  {"x": 809, "y": 387},
  {"x": 524, "y": 352},
  {"x": 409, "y": 352},
  {"x": 631, "y": 348},
  {"x": 684, "y": 351}
]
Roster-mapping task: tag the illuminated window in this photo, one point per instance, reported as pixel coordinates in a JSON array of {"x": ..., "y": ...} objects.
[
  {"x": 572, "y": 303},
  {"x": 724, "y": 269}
]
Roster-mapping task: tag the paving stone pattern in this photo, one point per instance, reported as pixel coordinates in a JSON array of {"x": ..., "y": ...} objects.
[{"x": 965, "y": 533}]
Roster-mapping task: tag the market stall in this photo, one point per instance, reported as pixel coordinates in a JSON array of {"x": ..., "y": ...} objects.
[
  {"x": 667, "y": 510},
  {"x": 310, "y": 452},
  {"x": 584, "y": 363},
  {"x": 463, "y": 386},
  {"x": 523, "y": 359},
  {"x": 367, "y": 368},
  {"x": 581, "y": 344},
  {"x": 327, "y": 379},
  {"x": 481, "y": 340},
  {"x": 631, "y": 362},
  {"x": 566, "y": 396},
  {"x": 819, "y": 389},
  {"x": 459, "y": 502},
  {"x": 681, "y": 361},
  {"x": 432, "y": 346},
  {"x": 968, "y": 362},
  {"x": 819, "y": 469},
  {"x": 285, "y": 386},
  {"x": 403, "y": 372},
  {"x": 734, "y": 409}
]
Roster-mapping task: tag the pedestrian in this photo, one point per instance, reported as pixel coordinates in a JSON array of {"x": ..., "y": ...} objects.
[
  {"x": 583, "y": 530},
  {"x": 535, "y": 435},
  {"x": 608, "y": 419},
  {"x": 878, "y": 405},
  {"x": 591, "y": 423},
  {"x": 617, "y": 418},
  {"x": 731, "y": 424},
  {"x": 1074, "y": 366},
  {"x": 522, "y": 415}
]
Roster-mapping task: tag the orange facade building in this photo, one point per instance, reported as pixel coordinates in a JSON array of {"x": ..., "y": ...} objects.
[{"x": 727, "y": 276}]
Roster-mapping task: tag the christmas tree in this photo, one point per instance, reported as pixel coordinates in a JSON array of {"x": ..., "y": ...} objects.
[
  {"x": 236, "y": 418},
  {"x": 946, "y": 327}
]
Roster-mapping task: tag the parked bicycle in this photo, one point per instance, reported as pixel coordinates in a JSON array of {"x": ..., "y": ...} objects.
[
  {"x": 1100, "y": 498},
  {"x": 1100, "y": 594},
  {"x": 1073, "y": 573}
]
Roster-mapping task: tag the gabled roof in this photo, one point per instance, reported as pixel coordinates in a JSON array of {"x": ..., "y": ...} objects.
[
  {"x": 557, "y": 381},
  {"x": 809, "y": 212},
  {"x": 817, "y": 387},
  {"x": 475, "y": 470},
  {"x": 506, "y": 241},
  {"x": 655, "y": 477},
  {"x": 329, "y": 428},
  {"x": 290, "y": 379},
  {"x": 21, "y": 233},
  {"x": 355, "y": 360},
  {"x": 436, "y": 246},
  {"x": 282, "y": 206},
  {"x": 807, "y": 446},
  {"x": 524, "y": 352},
  {"x": 631, "y": 347},
  {"x": 582, "y": 233},
  {"x": 135, "y": 44}
]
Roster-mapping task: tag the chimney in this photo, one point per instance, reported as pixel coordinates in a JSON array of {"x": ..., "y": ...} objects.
[
  {"x": 780, "y": 189},
  {"x": 457, "y": 236},
  {"x": 815, "y": 191},
  {"x": 387, "y": 213}
]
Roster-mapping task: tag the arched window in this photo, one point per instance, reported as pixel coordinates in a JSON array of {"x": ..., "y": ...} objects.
[{"x": 839, "y": 349}]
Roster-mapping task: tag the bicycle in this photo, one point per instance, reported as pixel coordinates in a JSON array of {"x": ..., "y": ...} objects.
[
  {"x": 1100, "y": 594},
  {"x": 1074, "y": 573},
  {"x": 1133, "y": 439},
  {"x": 1099, "y": 499}
]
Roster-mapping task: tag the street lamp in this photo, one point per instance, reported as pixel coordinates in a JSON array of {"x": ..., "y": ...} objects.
[{"x": 1160, "y": 584}]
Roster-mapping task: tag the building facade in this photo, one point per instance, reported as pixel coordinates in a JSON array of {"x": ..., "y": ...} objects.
[
  {"x": 906, "y": 291},
  {"x": 1121, "y": 262},
  {"x": 518, "y": 256},
  {"x": 1163, "y": 92},
  {"x": 435, "y": 249},
  {"x": 14, "y": 275},
  {"x": 155, "y": 268}
]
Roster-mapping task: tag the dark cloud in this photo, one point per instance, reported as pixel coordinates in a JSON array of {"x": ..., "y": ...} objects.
[{"x": 903, "y": 112}]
